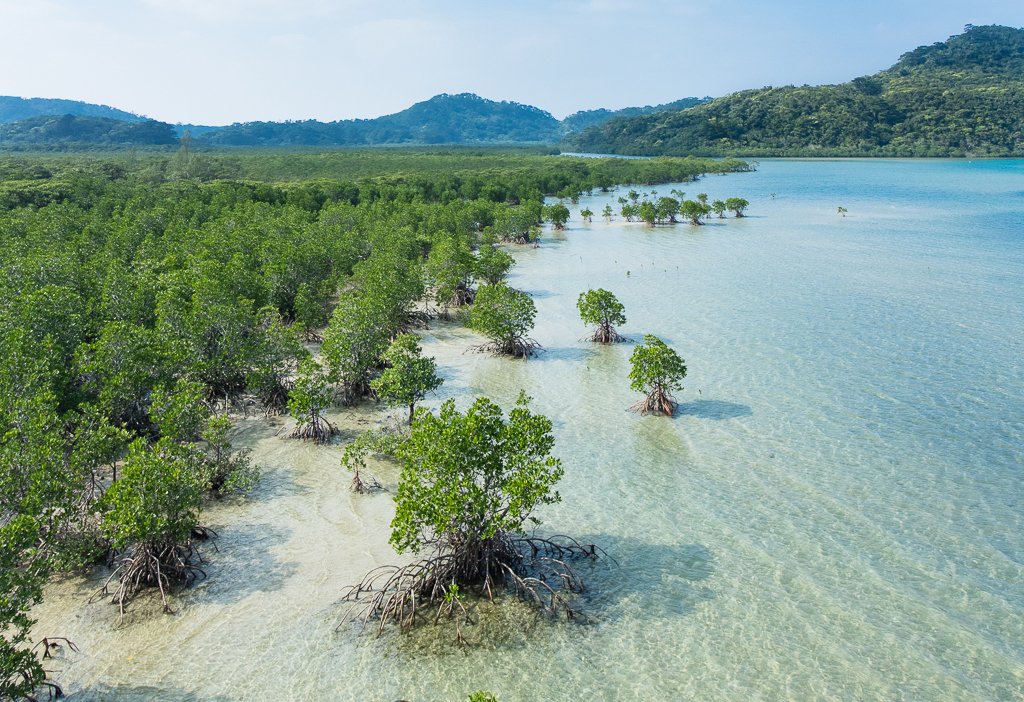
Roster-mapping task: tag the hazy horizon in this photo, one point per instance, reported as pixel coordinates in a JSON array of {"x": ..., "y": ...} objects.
[{"x": 218, "y": 62}]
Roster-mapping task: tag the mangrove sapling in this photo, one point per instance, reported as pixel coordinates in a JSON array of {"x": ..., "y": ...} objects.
[
  {"x": 409, "y": 376},
  {"x": 309, "y": 398},
  {"x": 656, "y": 371},
  {"x": 505, "y": 316},
  {"x": 152, "y": 521},
  {"x": 695, "y": 211},
  {"x": 383, "y": 441},
  {"x": 223, "y": 471},
  {"x": 602, "y": 309},
  {"x": 468, "y": 485}
]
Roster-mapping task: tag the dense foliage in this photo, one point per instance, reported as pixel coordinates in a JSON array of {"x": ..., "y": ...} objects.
[
  {"x": 578, "y": 121},
  {"x": 409, "y": 375},
  {"x": 466, "y": 478},
  {"x": 469, "y": 484},
  {"x": 138, "y": 307},
  {"x": 961, "y": 97},
  {"x": 70, "y": 130},
  {"x": 505, "y": 316}
]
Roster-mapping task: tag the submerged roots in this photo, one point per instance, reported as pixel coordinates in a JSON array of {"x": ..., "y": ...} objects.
[
  {"x": 160, "y": 564},
  {"x": 520, "y": 347},
  {"x": 534, "y": 569},
  {"x": 606, "y": 334},
  {"x": 315, "y": 427},
  {"x": 658, "y": 401},
  {"x": 361, "y": 486}
]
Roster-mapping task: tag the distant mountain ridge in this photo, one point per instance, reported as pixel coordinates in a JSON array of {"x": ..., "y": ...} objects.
[
  {"x": 73, "y": 131},
  {"x": 961, "y": 97},
  {"x": 462, "y": 118},
  {"x": 14, "y": 109},
  {"x": 443, "y": 119}
]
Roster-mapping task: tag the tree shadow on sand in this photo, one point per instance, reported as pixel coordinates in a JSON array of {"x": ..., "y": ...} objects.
[
  {"x": 243, "y": 563},
  {"x": 641, "y": 579},
  {"x": 713, "y": 409}
]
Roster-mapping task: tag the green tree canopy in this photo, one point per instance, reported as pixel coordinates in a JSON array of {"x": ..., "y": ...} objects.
[
  {"x": 468, "y": 477},
  {"x": 409, "y": 376},
  {"x": 558, "y": 214},
  {"x": 656, "y": 370},
  {"x": 602, "y": 309},
  {"x": 505, "y": 316},
  {"x": 312, "y": 394},
  {"x": 737, "y": 205}
]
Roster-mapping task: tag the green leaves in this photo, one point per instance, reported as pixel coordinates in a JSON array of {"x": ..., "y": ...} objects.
[
  {"x": 502, "y": 314},
  {"x": 558, "y": 214},
  {"x": 600, "y": 307},
  {"x": 655, "y": 366},
  {"x": 466, "y": 477},
  {"x": 409, "y": 376},
  {"x": 157, "y": 497}
]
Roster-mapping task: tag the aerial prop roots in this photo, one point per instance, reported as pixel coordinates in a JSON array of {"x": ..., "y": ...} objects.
[
  {"x": 658, "y": 401},
  {"x": 537, "y": 570}
]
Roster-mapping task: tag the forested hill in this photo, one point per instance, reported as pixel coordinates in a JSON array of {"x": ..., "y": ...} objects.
[
  {"x": 964, "y": 96},
  {"x": 578, "y": 121},
  {"x": 70, "y": 131},
  {"x": 443, "y": 119},
  {"x": 14, "y": 109}
]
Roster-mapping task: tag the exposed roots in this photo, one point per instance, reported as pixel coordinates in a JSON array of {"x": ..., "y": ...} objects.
[
  {"x": 157, "y": 564},
  {"x": 606, "y": 334},
  {"x": 361, "y": 486},
  {"x": 414, "y": 319},
  {"x": 315, "y": 427},
  {"x": 519, "y": 347},
  {"x": 658, "y": 401},
  {"x": 534, "y": 569},
  {"x": 312, "y": 336},
  {"x": 274, "y": 397}
]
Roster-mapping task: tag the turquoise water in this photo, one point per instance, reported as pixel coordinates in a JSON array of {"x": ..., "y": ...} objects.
[{"x": 835, "y": 513}]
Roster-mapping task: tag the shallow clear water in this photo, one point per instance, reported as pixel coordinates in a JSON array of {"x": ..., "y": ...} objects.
[{"x": 835, "y": 513}]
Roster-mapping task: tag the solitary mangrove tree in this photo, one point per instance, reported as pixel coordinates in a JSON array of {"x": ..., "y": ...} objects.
[
  {"x": 603, "y": 310},
  {"x": 657, "y": 370},
  {"x": 468, "y": 485}
]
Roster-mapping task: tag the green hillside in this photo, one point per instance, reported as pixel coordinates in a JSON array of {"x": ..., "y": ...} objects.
[
  {"x": 15, "y": 109},
  {"x": 578, "y": 121},
  {"x": 70, "y": 131},
  {"x": 443, "y": 119},
  {"x": 964, "y": 96}
]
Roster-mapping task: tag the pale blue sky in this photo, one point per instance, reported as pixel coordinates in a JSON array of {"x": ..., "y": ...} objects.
[{"x": 221, "y": 61}]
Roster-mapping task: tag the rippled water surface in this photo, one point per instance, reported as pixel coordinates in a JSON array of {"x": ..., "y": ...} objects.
[{"x": 835, "y": 513}]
